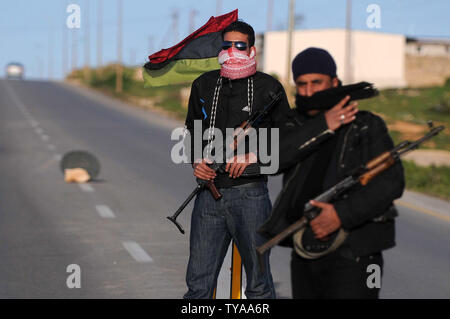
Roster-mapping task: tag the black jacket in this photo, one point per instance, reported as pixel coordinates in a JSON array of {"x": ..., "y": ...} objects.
[
  {"x": 230, "y": 114},
  {"x": 366, "y": 212}
]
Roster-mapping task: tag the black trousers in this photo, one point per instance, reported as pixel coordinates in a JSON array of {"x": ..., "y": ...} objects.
[{"x": 335, "y": 276}]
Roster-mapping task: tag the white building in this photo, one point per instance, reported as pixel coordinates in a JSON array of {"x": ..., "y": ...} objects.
[{"x": 375, "y": 57}]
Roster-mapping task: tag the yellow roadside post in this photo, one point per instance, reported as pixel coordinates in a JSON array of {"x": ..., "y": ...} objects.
[{"x": 236, "y": 274}]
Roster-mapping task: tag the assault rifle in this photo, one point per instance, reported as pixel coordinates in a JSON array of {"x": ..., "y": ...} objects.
[
  {"x": 251, "y": 170},
  {"x": 361, "y": 176}
]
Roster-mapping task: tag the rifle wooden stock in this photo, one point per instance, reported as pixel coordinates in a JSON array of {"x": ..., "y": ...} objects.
[
  {"x": 381, "y": 167},
  {"x": 377, "y": 160}
]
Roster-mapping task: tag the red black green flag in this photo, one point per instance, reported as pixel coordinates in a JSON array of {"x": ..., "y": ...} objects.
[{"x": 190, "y": 58}]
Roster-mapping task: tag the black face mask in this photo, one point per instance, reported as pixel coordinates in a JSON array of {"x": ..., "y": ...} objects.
[{"x": 326, "y": 99}]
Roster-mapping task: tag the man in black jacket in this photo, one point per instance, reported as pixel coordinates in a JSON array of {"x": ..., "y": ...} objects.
[
  {"x": 317, "y": 153},
  {"x": 221, "y": 100}
]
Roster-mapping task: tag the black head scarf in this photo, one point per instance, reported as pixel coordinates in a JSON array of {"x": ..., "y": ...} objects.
[{"x": 326, "y": 99}]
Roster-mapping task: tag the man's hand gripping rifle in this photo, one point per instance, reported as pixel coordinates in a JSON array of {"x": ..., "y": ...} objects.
[
  {"x": 362, "y": 176},
  {"x": 252, "y": 169}
]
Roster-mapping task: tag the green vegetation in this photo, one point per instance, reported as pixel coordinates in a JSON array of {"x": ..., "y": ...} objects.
[
  {"x": 413, "y": 105},
  {"x": 406, "y": 111},
  {"x": 433, "y": 180}
]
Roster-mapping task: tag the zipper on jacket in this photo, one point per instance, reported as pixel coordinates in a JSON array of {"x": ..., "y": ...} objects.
[{"x": 341, "y": 157}]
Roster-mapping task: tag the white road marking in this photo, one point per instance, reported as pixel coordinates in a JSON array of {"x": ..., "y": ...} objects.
[
  {"x": 105, "y": 212},
  {"x": 39, "y": 131},
  {"x": 86, "y": 188},
  {"x": 14, "y": 97},
  {"x": 136, "y": 251},
  {"x": 58, "y": 157},
  {"x": 45, "y": 138}
]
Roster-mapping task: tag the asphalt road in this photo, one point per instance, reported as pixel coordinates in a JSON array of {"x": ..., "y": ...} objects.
[{"x": 115, "y": 229}]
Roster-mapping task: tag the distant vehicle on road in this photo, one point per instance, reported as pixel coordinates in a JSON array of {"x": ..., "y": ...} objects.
[{"x": 15, "y": 70}]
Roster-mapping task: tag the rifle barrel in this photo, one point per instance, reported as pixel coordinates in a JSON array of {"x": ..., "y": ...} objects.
[
  {"x": 415, "y": 144},
  {"x": 285, "y": 233}
]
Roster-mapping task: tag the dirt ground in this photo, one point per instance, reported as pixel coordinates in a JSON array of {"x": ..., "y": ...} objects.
[
  {"x": 429, "y": 157},
  {"x": 411, "y": 131}
]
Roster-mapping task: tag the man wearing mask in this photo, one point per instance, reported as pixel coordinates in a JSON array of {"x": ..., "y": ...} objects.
[
  {"x": 224, "y": 99},
  {"x": 343, "y": 139}
]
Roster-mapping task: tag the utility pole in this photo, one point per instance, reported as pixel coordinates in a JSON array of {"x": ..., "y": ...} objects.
[
  {"x": 119, "y": 68},
  {"x": 132, "y": 57},
  {"x": 269, "y": 15},
  {"x": 74, "y": 51},
  {"x": 50, "y": 52},
  {"x": 192, "y": 15},
  {"x": 175, "y": 17},
  {"x": 87, "y": 47},
  {"x": 99, "y": 36},
  {"x": 65, "y": 52},
  {"x": 50, "y": 55},
  {"x": 348, "y": 43},
  {"x": 40, "y": 67},
  {"x": 289, "y": 41},
  {"x": 150, "y": 44},
  {"x": 218, "y": 7}
]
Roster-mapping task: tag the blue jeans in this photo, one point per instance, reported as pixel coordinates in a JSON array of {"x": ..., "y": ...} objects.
[{"x": 236, "y": 216}]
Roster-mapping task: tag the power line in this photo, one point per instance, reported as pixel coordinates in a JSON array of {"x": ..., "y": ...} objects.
[{"x": 107, "y": 23}]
